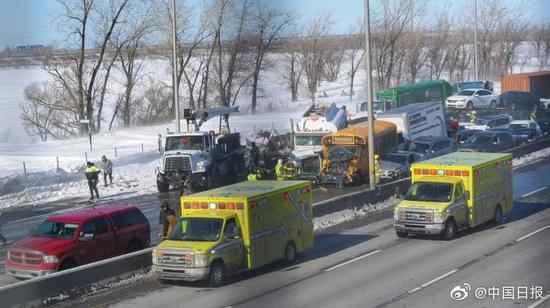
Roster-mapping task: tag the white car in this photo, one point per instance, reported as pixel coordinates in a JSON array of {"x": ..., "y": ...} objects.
[
  {"x": 472, "y": 98},
  {"x": 519, "y": 125}
]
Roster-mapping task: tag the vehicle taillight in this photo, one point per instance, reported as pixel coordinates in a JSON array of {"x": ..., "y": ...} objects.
[
  {"x": 231, "y": 206},
  {"x": 204, "y": 205},
  {"x": 221, "y": 206},
  {"x": 195, "y": 205}
]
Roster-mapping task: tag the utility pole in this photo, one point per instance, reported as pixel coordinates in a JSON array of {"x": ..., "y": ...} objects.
[
  {"x": 370, "y": 113},
  {"x": 175, "y": 89},
  {"x": 476, "y": 63}
]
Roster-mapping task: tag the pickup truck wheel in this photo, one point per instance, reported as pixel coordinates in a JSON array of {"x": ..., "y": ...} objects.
[
  {"x": 217, "y": 274},
  {"x": 449, "y": 232},
  {"x": 162, "y": 187},
  {"x": 498, "y": 216},
  {"x": 401, "y": 234},
  {"x": 290, "y": 253},
  {"x": 67, "y": 264}
]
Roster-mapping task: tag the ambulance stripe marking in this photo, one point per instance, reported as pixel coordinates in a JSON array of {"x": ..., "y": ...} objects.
[{"x": 353, "y": 260}]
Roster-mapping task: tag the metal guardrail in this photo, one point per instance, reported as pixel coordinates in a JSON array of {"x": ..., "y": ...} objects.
[{"x": 32, "y": 292}]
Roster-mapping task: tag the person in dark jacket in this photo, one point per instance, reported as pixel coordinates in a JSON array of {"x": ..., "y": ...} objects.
[
  {"x": 92, "y": 176},
  {"x": 254, "y": 157},
  {"x": 107, "y": 170}
]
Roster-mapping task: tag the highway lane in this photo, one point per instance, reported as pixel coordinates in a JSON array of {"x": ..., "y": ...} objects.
[
  {"x": 19, "y": 222},
  {"x": 379, "y": 270},
  {"x": 370, "y": 267}
]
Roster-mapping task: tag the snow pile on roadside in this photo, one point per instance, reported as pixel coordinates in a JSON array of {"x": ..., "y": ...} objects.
[
  {"x": 130, "y": 179},
  {"x": 531, "y": 157},
  {"x": 336, "y": 218}
]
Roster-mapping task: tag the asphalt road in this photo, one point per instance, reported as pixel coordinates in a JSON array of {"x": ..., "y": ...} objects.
[
  {"x": 370, "y": 267},
  {"x": 18, "y": 222}
]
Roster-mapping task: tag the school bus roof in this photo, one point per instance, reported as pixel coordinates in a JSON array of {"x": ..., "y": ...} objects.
[
  {"x": 465, "y": 159},
  {"x": 249, "y": 189}
]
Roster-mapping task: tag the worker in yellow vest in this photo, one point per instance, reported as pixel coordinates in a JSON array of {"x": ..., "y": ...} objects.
[
  {"x": 377, "y": 169},
  {"x": 279, "y": 170}
]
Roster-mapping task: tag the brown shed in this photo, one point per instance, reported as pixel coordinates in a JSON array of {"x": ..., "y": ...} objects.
[{"x": 536, "y": 83}]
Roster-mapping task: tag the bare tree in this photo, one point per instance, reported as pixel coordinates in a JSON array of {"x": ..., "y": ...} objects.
[
  {"x": 356, "y": 54},
  {"x": 78, "y": 16},
  {"x": 413, "y": 54},
  {"x": 541, "y": 44},
  {"x": 292, "y": 71},
  {"x": 267, "y": 24},
  {"x": 512, "y": 31},
  {"x": 332, "y": 61},
  {"x": 389, "y": 28},
  {"x": 311, "y": 52},
  {"x": 437, "y": 53},
  {"x": 45, "y": 112}
]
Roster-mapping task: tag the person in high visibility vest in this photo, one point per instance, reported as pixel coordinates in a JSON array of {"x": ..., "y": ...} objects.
[
  {"x": 279, "y": 170},
  {"x": 377, "y": 169},
  {"x": 473, "y": 116},
  {"x": 92, "y": 176},
  {"x": 255, "y": 176}
]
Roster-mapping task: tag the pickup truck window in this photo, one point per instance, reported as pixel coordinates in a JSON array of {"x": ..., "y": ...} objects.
[
  {"x": 54, "y": 229},
  {"x": 197, "y": 229},
  {"x": 96, "y": 226},
  {"x": 430, "y": 192},
  {"x": 130, "y": 218}
]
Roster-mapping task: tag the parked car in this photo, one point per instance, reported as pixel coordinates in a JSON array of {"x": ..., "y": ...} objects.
[
  {"x": 517, "y": 100},
  {"x": 523, "y": 131},
  {"x": 397, "y": 165},
  {"x": 463, "y": 134},
  {"x": 429, "y": 146},
  {"x": 473, "y": 84},
  {"x": 75, "y": 238},
  {"x": 488, "y": 141},
  {"x": 472, "y": 98},
  {"x": 490, "y": 122}
]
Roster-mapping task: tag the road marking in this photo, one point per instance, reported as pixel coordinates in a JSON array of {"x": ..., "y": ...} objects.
[
  {"x": 353, "y": 260},
  {"x": 540, "y": 301},
  {"x": 429, "y": 283},
  {"x": 532, "y": 233},
  {"x": 533, "y": 192}
]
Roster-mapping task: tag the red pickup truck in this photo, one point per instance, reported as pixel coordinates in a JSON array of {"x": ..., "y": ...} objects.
[{"x": 71, "y": 239}]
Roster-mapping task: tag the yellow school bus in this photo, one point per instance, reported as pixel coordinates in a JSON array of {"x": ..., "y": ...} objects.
[
  {"x": 236, "y": 228},
  {"x": 455, "y": 191}
]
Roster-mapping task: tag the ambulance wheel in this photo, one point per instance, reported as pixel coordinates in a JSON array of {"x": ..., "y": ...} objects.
[
  {"x": 449, "y": 232},
  {"x": 217, "y": 274},
  {"x": 290, "y": 253},
  {"x": 498, "y": 215}
]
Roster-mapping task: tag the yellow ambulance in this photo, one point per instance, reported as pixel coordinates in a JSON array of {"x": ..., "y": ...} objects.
[
  {"x": 236, "y": 228},
  {"x": 455, "y": 191}
]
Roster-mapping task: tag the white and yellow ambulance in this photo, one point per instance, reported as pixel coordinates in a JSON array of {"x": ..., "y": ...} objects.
[
  {"x": 455, "y": 191},
  {"x": 236, "y": 228}
]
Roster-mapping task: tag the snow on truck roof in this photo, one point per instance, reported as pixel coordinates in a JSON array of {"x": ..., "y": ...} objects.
[
  {"x": 472, "y": 159},
  {"x": 248, "y": 189}
]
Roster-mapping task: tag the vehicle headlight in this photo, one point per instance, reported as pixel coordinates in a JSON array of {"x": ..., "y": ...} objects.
[
  {"x": 50, "y": 259},
  {"x": 439, "y": 217},
  {"x": 201, "y": 260}
]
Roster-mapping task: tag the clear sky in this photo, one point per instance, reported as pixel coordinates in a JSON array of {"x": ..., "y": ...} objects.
[{"x": 34, "y": 21}]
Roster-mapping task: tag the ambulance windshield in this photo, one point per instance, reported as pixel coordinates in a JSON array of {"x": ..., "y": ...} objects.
[
  {"x": 197, "y": 229},
  {"x": 430, "y": 192}
]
